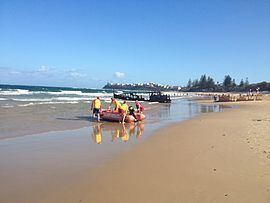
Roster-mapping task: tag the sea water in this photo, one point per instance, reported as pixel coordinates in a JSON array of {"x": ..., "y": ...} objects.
[
  {"x": 18, "y": 95},
  {"x": 89, "y": 146}
]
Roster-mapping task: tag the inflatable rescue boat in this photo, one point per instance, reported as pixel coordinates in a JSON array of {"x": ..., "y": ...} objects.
[{"x": 110, "y": 115}]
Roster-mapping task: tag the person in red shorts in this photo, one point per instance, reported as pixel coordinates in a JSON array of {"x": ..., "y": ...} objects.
[{"x": 139, "y": 106}]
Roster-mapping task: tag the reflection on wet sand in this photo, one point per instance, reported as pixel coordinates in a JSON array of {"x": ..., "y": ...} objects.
[
  {"x": 117, "y": 131},
  {"x": 210, "y": 108},
  {"x": 166, "y": 112},
  {"x": 97, "y": 133}
]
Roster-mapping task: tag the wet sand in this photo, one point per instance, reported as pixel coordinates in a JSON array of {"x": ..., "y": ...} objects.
[
  {"x": 216, "y": 157},
  {"x": 20, "y": 121},
  {"x": 28, "y": 120}
]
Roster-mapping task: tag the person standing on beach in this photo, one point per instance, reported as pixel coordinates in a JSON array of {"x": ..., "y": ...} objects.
[
  {"x": 139, "y": 106},
  {"x": 124, "y": 110},
  {"x": 96, "y": 107}
]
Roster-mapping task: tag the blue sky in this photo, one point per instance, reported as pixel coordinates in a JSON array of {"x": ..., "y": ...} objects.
[{"x": 87, "y": 43}]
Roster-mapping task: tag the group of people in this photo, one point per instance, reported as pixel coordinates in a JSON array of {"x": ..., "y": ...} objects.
[{"x": 123, "y": 108}]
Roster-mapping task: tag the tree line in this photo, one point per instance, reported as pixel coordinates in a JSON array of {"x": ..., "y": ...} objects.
[{"x": 207, "y": 84}]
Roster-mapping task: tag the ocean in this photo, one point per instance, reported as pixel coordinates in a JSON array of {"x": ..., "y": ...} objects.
[
  {"x": 21, "y": 95},
  {"x": 26, "y": 110}
]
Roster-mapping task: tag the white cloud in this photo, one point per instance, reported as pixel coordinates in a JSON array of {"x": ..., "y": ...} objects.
[
  {"x": 76, "y": 75},
  {"x": 14, "y": 72},
  {"x": 44, "y": 69},
  {"x": 119, "y": 74},
  {"x": 9, "y": 71}
]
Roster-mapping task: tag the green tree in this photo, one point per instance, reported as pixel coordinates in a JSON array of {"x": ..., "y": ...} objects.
[
  {"x": 203, "y": 82},
  {"x": 210, "y": 82},
  {"x": 241, "y": 84},
  {"x": 246, "y": 82},
  {"x": 227, "y": 82},
  {"x": 233, "y": 85},
  {"x": 189, "y": 84},
  {"x": 195, "y": 83}
]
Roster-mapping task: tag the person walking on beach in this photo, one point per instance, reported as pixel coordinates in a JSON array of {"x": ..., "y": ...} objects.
[
  {"x": 139, "y": 106},
  {"x": 96, "y": 107},
  {"x": 124, "y": 110},
  {"x": 115, "y": 103}
]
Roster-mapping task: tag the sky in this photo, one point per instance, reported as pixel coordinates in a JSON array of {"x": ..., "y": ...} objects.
[{"x": 88, "y": 43}]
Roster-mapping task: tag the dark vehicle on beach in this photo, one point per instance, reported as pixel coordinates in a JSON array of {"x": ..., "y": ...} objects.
[
  {"x": 159, "y": 97},
  {"x": 153, "y": 97}
]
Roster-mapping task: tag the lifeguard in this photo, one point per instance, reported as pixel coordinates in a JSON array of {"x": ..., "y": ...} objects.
[
  {"x": 96, "y": 107},
  {"x": 115, "y": 103},
  {"x": 124, "y": 110},
  {"x": 139, "y": 106}
]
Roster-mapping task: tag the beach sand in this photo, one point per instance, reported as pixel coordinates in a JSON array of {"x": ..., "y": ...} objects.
[{"x": 215, "y": 157}]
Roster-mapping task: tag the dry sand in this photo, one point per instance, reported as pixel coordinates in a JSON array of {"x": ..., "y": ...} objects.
[{"x": 216, "y": 157}]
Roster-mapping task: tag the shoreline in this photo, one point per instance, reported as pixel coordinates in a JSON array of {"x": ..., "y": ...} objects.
[
  {"x": 23, "y": 121},
  {"x": 203, "y": 159},
  {"x": 223, "y": 165},
  {"x": 42, "y": 119}
]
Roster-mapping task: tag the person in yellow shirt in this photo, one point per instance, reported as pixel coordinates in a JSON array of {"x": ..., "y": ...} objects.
[
  {"x": 96, "y": 107},
  {"x": 115, "y": 103},
  {"x": 124, "y": 110}
]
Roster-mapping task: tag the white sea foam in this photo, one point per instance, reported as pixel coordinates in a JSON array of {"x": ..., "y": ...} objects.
[
  {"x": 153, "y": 103},
  {"x": 15, "y": 92},
  {"x": 63, "y": 92},
  {"x": 32, "y": 100},
  {"x": 72, "y": 98},
  {"x": 176, "y": 98},
  {"x": 93, "y": 94},
  {"x": 55, "y": 99},
  {"x": 7, "y": 106},
  {"x": 40, "y": 103}
]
